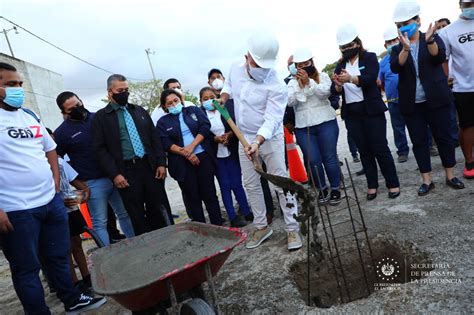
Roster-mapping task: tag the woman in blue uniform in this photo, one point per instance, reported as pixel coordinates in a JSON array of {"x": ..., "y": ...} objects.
[{"x": 185, "y": 133}]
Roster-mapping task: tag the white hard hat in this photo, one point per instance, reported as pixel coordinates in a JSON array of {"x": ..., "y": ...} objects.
[
  {"x": 405, "y": 10},
  {"x": 263, "y": 47},
  {"x": 390, "y": 33},
  {"x": 302, "y": 54},
  {"x": 346, "y": 34}
]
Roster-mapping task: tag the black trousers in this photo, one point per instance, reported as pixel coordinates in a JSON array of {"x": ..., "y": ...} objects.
[
  {"x": 199, "y": 186},
  {"x": 438, "y": 120},
  {"x": 144, "y": 198},
  {"x": 370, "y": 136}
]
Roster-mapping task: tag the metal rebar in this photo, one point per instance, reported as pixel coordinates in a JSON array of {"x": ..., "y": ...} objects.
[
  {"x": 308, "y": 236},
  {"x": 362, "y": 218},
  {"x": 355, "y": 234},
  {"x": 335, "y": 244}
]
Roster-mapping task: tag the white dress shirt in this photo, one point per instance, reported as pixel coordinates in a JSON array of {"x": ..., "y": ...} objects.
[
  {"x": 217, "y": 128},
  {"x": 259, "y": 106},
  {"x": 311, "y": 103},
  {"x": 352, "y": 92}
]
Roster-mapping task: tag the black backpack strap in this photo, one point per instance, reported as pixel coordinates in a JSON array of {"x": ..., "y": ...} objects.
[{"x": 30, "y": 112}]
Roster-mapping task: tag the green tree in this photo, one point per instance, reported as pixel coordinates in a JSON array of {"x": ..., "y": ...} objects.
[
  {"x": 329, "y": 69},
  {"x": 147, "y": 94}
]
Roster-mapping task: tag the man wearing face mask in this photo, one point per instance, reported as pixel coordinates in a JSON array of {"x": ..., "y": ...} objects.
[
  {"x": 74, "y": 138},
  {"x": 424, "y": 95},
  {"x": 260, "y": 98},
  {"x": 130, "y": 153},
  {"x": 174, "y": 84},
  {"x": 389, "y": 83},
  {"x": 459, "y": 40},
  {"x": 33, "y": 219}
]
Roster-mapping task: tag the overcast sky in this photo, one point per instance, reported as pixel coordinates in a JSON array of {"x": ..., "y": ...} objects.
[{"x": 188, "y": 36}]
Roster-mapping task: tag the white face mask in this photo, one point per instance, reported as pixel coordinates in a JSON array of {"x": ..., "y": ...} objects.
[
  {"x": 217, "y": 84},
  {"x": 259, "y": 74},
  {"x": 179, "y": 91}
]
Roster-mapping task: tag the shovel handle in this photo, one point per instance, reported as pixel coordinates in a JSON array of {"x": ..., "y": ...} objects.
[{"x": 225, "y": 113}]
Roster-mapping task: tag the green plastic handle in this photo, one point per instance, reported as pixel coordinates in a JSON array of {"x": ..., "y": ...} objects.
[{"x": 221, "y": 109}]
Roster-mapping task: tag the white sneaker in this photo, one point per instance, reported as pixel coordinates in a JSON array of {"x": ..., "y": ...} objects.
[
  {"x": 294, "y": 240},
  {"x": 258, "y": 236}
]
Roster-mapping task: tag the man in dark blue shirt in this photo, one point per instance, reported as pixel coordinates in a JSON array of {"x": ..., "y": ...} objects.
[
  {"x": 389, "y": 82},
  {"x": 74, "y": 138}
]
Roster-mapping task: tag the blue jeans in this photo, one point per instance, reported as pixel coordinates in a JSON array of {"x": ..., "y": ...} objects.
[
  {"x": 229, "y": 176},
  {"x": 319, "y": 146},
  {"x": 43, "y": 230},
  {"x": 103, "y": 192},
  {"x": 398, "y": 126}
]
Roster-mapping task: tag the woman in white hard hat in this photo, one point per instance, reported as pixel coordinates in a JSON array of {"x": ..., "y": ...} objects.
[
  {"x": 316, "y": 127},
  {"x": 364, "y": 110},
  {"x": 424, "y": 95}
]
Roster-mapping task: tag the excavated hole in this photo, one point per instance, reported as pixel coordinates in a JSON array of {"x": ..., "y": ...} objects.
[{"x": 409, "y": 263}]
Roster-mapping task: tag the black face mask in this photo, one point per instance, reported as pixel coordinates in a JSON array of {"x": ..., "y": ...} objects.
[
  {"x": 349, "y": 53},
  {"x": 310, "y": 70},
  {"x": 78, "y": 113},
  {"x": 121, "y": 98}
]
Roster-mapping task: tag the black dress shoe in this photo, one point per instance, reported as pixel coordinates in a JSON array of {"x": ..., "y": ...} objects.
[
  {"x": 361, "y": 172},
  {"x": 394, "y": 194},
  {"x": 455, "y": 183},
  {"x": 372, "y": 196},
  {"x": 425, "y": 189}
]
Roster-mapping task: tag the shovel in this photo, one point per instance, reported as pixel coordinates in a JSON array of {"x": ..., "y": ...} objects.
[{"x": 284, "y": 182}]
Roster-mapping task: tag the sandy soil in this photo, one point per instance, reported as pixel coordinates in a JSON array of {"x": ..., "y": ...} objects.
[{"x": 260, "y": 281}]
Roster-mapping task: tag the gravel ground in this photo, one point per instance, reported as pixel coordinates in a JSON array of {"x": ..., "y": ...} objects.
[{"x": 259, "y": 281}]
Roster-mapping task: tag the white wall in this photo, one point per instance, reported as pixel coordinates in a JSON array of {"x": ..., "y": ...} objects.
[{"x": 41, "y": 88}]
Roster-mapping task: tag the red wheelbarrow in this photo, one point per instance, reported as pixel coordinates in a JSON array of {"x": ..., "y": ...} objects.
[{"x": 147, "y": 270}]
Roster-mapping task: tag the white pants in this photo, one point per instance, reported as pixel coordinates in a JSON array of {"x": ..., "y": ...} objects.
[{"x": 273, "y": 154}]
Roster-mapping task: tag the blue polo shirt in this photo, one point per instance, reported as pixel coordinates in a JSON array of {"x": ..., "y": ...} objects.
[
  {"x": 74, "y": 138},
  {"x": 389, "y": 80}
]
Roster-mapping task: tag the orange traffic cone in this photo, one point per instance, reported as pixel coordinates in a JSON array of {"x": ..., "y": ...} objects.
[
  {"x": 85, "y": 213},
  {"x": 295, "y": 165}
]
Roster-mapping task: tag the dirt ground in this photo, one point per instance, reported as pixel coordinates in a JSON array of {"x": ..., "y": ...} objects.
[{"x": 265, "y": 280}]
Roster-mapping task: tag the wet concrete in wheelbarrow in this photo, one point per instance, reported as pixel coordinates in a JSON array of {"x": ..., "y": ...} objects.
[{"x": 142, "y": 260}]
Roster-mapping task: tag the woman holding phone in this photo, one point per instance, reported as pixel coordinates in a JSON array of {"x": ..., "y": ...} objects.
[{"x": 364, "y": 110}]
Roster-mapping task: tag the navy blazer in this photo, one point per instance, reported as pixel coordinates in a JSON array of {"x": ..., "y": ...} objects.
[
  {"x": 369, "y": 71},
  {"x": 233, "y": 142},
  {"x": 432, "y": 77},
  {"x": 169, "y": 130}
]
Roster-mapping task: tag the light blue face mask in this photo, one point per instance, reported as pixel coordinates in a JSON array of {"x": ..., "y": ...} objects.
[
  {"x": 389, "y": 48},
  {"x": 410, "y": 29},
  {"x": 208, "y": 105},
  {"x": 468, "y": 13},
  {"x": 176, "y": 109},
  {"x": 14, "y": 96},
  {"x": 292, "y": 69}
]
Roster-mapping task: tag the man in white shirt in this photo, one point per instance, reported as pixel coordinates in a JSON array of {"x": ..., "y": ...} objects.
[
  {"x": 33, "y": 218},
  {"x": 260, "y": 99},
  {"x": 458, "y": 38}
]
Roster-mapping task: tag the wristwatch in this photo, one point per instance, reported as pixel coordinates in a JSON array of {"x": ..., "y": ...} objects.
[
  {"x": 430, "y": 42},
  {"x": 256, "y": 142}
]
